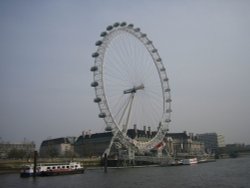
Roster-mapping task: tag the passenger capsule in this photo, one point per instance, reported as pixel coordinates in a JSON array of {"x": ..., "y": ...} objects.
[
  {"x": 95, "y": 54},
  {"x": 123, "y": 24},
  {"x": 103, "y": 34},
  {"x": 102, "y": 115},
  {"x": 158, "y": 60},
  {"x": 154, "y": 50},
  {"x": 137, "y": 29},
  {"x": 165, "y": 79},
  {"x": 108, "y": 128},
  {"x": 98, "y": 99},
  {"x": 94, "y": 84},
  {"x": 167, "y": 90},
  {"x": 169, "y": 100},
  {"x": 149, "y": 42},
  {"x": 143, "y": 35},
  {"x": 94, "y": 68},
  {"x": 98, "y": 43},
  {"x": 116, "y": 24},
  {"x": 162, "y": 69},
  {"x": 131, "y": 25},
  {"x": 168, "y": 120},
  {"x": 110, "y": 27},
  {"x": 168, "y": 110}
]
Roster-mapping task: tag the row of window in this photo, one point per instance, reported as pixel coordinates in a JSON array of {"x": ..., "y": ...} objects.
[{"x": 58, "y": 167}]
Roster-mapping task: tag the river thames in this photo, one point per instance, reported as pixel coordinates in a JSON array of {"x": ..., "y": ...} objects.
[{"x": 224, "y": 173}]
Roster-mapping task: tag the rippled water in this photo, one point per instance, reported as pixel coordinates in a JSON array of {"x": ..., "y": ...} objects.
[{"x": 225, "y": 173}]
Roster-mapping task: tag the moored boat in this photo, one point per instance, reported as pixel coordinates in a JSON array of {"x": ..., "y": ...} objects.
[
  {"x": 206, "y": 160},
  {"x": 190, "y": 161},
  {"x": 176, "y": 163},
  {"x": 52, "y": 169}
]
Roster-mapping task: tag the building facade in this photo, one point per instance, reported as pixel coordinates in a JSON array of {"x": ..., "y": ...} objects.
[
  {"x": 182, "y": 144},
  {"x": 212, "y": 141},
  {"x": 17, "y": 150},
  {"x": 92, "y": 145},
  {"x": 58, "y": 147}
]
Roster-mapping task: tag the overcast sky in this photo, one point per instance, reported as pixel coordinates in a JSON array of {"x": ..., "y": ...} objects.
[{"x": 45, "y": 60}]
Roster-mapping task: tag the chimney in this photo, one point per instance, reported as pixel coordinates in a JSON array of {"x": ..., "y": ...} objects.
[
  {"x": 191, "y": 136},
  {"x": 149, "y": 131},
  {"x": 135, "y": 130},
  {"x": 144, "y": 129}
]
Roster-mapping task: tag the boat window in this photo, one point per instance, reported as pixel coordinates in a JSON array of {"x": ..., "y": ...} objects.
[
  {"x": 67, "y": 166},
  {"x": 53, "y": 167},
  {"x": 58, "y": 167},
  {"x": 72, "y": 166},
  {"x": 48, "y": 167},
  {"x": 76, "y": 166}
]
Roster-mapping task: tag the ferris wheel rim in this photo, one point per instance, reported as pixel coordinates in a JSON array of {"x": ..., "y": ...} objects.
[{"x": 98, "y": 82}]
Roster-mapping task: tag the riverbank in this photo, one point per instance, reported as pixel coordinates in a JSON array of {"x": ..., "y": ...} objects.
[{"x": 13, "y": 166}]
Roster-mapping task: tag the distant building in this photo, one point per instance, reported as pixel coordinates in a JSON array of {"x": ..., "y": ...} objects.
[
  {"x": 94, "y": 145},
  {"x": 141, "y": 135},
  {"x": 212, "y": 141},
  {"x": 236, "y": 146},
  {"x": 185, "y": 144},
  {"x": 58, "y": 147},
  {"x": 88, "y": 145},
  {"x": 17, "y": 150},
  {"x": 247, "y": 147}
]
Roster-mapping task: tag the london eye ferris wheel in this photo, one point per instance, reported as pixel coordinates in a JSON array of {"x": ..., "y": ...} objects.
[{"x": 131, "y": 85}]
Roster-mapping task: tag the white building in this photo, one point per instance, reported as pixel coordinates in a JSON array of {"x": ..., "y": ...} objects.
[{"x": 212, "y": 141}]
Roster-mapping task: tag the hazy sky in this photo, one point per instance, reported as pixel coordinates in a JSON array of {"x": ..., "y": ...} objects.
[{"x": 45, "y": 60}]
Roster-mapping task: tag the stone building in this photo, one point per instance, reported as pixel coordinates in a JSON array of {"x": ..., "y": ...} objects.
[
  {"x": 184, "y": 144},
  {"x": 17, "y": 150},
  {"x": 58, "y": 147},
  {"x": 89, "y": 145},
  {"x": 94, "y": 145},
  {"x": 141, "y": 135}
]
